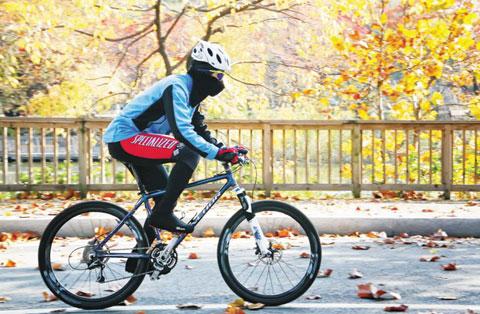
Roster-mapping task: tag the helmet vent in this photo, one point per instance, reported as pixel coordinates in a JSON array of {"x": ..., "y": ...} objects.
[
  {"x": 218, "y": 59},
  {"x": 210, "y": 52}
]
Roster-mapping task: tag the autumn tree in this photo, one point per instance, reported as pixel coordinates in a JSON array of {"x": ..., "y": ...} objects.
[
  {"x": 110, "y": 49},
  {"x": 397, "y": 60}
]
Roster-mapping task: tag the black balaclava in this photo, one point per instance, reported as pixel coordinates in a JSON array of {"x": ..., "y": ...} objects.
[{"x": 203, "y": 83}]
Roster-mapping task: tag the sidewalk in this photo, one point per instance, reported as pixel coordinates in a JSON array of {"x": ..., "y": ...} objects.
[{"x": 460, "y": 219}]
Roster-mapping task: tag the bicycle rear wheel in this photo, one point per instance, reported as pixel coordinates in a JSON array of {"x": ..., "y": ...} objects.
[
  {"x": 66, "y": 255},
  {"x": 295, "y": 254}
]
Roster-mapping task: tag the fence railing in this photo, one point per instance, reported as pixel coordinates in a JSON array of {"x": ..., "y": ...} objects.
[{"x": 67, "y": 153}]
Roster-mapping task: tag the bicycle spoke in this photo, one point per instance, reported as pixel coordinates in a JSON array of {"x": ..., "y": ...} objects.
[
  {"x": 286, "y": 275},
  {"x": 78, "y": 278},
  {"x": 252, "y": 272},
  {"x": 276, "y": 275},
  {"x": 256, "y": 284}
]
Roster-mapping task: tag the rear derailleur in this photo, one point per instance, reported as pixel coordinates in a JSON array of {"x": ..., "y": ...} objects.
[{"x": 162, "y": 262}]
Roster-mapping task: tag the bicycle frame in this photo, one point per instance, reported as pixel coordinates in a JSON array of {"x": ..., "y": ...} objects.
[{"x": 230, "y": 183}]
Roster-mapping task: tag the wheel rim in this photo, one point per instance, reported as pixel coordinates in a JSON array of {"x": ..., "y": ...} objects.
[
  {"x": 279, "y": 275},
  {"x": 69, "y": 268}
]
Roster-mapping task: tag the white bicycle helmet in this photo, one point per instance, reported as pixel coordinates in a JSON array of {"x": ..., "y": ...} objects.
[{"x": 212, "y": 54}]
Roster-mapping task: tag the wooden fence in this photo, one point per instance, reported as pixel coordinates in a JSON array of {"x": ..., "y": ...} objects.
[{"x": 45, "y": 154}]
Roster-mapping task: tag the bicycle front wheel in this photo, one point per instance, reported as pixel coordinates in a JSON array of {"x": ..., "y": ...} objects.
[
  {"x": 67, "y": 260},
  {"x": 287, "y": 272}
]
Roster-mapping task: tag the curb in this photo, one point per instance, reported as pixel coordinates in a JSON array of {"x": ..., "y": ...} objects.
[{"x": 455, "y": 227}]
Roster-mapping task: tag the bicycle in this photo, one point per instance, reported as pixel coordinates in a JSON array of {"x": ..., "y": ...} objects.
[{"x": 93, "y": 242}]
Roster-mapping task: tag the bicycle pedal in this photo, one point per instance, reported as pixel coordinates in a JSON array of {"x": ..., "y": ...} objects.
[{"x": 155, "y": 275}]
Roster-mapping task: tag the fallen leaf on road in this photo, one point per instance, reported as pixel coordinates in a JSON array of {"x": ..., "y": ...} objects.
[
  {"x": 360, "y": 247},
  {"x": 366, "y": 291},
  {"x": 387, "y": 295},
  {"x": 209, "y": 233},
  {"x": 440, "y": 235},
  {"x": 58, "y": 311},
  {"x": 3, "y": 236},
  {"x": 427, "y": 210},
  {"x": 188, "y": 267},
  {"x": 313, "y": 297},
  {"x": 389, "y": 241},
  {"x": 101, "y": 231},
  {"x": 236, "y": 307},
  {"x": 193, "y": 256},
  {"x": 166, "y": 235},
  {"x": 129, "y": 300},
  {"x": 48, "y": 297},
  {"x": 373, "y": 235},
  {"x": 238, "y": 303},
  {"x": 254, "y": 306},
  {"x": 234, "y": 310},
  {"x": 189, "y": 306},
  {"x": 325, "y": 273},
  {"x": 404, "y": 235},
  {"x": 8, "y": 263},
  {"x": 471, "y": 203},
  {"x": 305, "y": 255},
  {"x": 283, "y": 233},
  {"x": 447, "y": 297},
  {"x": 355, "y": 274},
  {"x": 84, "y": 293},
  {"x": 433, "y": 258},
  {"x": 3, "y": 247},
  {"x": 58, "y": 267},
  {"x": 240, "y": 234},
  {"x": 396, "y": 308},
  {"x": 449, "y": 266},
  {"x": 369, "y": 291},
  {"x": 4, "y": 299},
  {"x": 278, "y": 246}
]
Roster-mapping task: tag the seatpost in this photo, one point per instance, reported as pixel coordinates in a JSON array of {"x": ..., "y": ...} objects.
[{"x": 226, "y": 166}]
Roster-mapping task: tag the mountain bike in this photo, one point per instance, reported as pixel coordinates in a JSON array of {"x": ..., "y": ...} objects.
[{"x": 268, "y": 251}]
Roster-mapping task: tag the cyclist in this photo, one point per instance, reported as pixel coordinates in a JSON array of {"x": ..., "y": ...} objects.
[{"x": 139, "y": 135}]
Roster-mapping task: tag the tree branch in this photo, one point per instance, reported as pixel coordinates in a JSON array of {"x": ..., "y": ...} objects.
[
  {"x": 257, "y": 85},
  {"x": 146, "y": 28},
  {"x": 126, "y": 50},
  {"x": 169, "y": 30}
]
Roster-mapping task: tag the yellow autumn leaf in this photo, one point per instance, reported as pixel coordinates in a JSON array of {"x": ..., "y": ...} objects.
[
  {"x": 338, "y": 43},
  {"x": 437, "y": 99},
  {"x": 475, "y": 110},
  {"x": 35, "y": 57},
  {"x": 363, "y": 114},
  {"x": 295, "y": 95},
  {"x": 324, "y": 101},
  {"x": 425, "y": 105},
  {"x": 384, "y": 18},
  {"x": 465, "y": 42}
]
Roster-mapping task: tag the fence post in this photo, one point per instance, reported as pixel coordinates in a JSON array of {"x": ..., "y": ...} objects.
[
  {"x": 267, "y": 159},
  {"x": 356, "y": 162},
  {"x": 82, "y": 159},
  {"x": 447, "y": 160}
]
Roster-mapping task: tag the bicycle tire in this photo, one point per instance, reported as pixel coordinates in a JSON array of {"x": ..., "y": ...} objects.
[
  {"x": 46, "y": 271},
  {"x": 223, "y": 259}
]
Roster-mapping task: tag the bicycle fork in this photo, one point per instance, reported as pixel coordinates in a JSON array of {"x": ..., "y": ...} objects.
[{"x": 262, "y": 242}]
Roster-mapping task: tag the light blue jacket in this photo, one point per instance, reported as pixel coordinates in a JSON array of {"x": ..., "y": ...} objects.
[{"x": 155, "y": 110}]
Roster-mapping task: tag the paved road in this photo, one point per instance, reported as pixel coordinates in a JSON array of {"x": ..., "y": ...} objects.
[{"x": 398, "y": 267}]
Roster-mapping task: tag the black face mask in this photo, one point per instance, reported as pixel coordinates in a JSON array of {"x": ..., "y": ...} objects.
[{"x": 204, "y": 85}]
